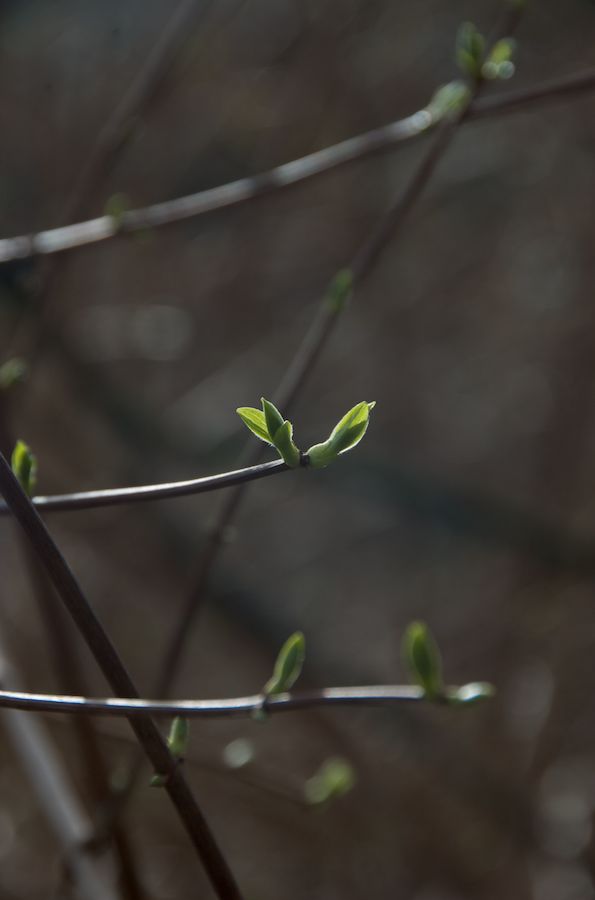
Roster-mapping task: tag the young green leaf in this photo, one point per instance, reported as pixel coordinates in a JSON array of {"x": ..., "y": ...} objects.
[
  {"x": 288, "y": 665},
  {"x": 115, "y": 207},
  {"x": 177, "y": 740},
  {"x": 12, "y": 372},
  {"x": 273, "y": 418},
  {"x": 283, "y": 442},
  {"x": 470, "y": 50},
  {"x": 344, "y": 436},
  {"x": 254, "y": 420},
  {"x": 24, "y": 466},
  {"x": 422, "y": 658},
  {"x": 335, "y": 777},
  {"x": 339, "y": 290}
]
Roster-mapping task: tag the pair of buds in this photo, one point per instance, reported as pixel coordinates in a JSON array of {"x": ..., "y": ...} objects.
[{"x": 269, "y": 425}]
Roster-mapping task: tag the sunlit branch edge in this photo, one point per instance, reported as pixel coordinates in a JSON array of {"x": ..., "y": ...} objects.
[
  {"x": 378, "y": 140},
  {"x": 234, "y": 706},
  {"x": 119, "y": 496}
]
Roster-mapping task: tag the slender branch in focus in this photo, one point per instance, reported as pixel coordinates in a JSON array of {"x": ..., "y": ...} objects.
[
  {"x": 234, "y": 706},
  {"x": 112, "y": 667},
  {"x": 379, "y": 140},
  {"x": 143, "y": 493}
]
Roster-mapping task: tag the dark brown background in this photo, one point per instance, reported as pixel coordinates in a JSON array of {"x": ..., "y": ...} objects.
[{"x": 470, "y": 504}]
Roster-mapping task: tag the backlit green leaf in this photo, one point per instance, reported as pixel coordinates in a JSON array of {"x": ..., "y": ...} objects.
[
  {"x": 344, "y": 436},
  {"x": 254, "y": 420},
  {"x": 288, "y": 665},
  {"x": 335, "y": 778},
  {"x": 24, "y": 466},
  {"x": 422, "y": 658},
  {"x": 177, "y": 740},
  {"x": 272, "y": 416}
]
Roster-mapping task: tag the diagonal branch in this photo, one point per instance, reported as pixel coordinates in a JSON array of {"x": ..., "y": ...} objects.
[
  {"x": 116, "y": 674},
  {"x": 379, "y": 140}
]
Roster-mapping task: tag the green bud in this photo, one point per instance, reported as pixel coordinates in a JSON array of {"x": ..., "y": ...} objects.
[
  {"x": 449, "y": 100},
  {"x": 345, "y": 435},
  {"x": 288, "y": 665},
  {"x": 238, "y": 753},
  {"x": 272, "y": 417},
  {"x": 158, "y": 781},
  {"x": 471, "y": 693},
  {"x": 283, "y": 441},
  {"x": 12, "y": 372},
  {"x": 499, "y": 64},
  {"x": 115, "y": 207},
  {"x": 24, "y": 466},
  {"x": 270, "y": 426},
  {"x": 339, "y": 290},
  {"x": 335, "y": 778},
  {"x": 470, "y": 50},
  {"x": 422, "y": 658},
  {"x": 177, "y": 740}
]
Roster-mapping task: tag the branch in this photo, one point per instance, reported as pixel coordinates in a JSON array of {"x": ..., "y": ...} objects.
[
  {"x": 314, "y": 342},
  {"x": 379, "y": 140},
  {"x": 214, "y": 709},
  {"x": 147, "y": 733},
  {"x": 143, "y": 493}
]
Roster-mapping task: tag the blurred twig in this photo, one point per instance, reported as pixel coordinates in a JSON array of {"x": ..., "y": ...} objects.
[
  {"x": 379, "y": 140},
  {"x": 58, "y": 801},
  {"x": 112, "y": 667}
]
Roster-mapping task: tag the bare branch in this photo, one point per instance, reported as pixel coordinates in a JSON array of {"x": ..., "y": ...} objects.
[
  {"x": 214, "y": 709},
  {"x": 379, "y": 140},
  {"x": 112, "y": 667},
  {"x": 143, "y": 493}
]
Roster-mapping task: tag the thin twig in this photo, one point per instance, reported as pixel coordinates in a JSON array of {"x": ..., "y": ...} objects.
[
  {"x": 143, "y": 493},
  {"x": 112, "y": 667},
  {"x": 139, "y": 93},
  {"x": 378, "y": 140},
  {"x": 213, "y": 709}
]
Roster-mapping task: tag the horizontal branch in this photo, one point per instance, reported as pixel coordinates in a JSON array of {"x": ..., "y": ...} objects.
[
  {"x": 143, "y": 493},
  {"x": 235, "y": 706},
  {"x": 378, "y": 140}
]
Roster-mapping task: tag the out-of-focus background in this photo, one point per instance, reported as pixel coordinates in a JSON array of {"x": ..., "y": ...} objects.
[{"x": 470, "y": 504}]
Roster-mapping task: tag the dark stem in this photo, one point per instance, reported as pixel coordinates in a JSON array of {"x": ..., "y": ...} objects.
[
  {"x": 143, "y": 493},
  {"x": 116, "y": 674}
]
